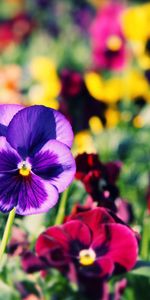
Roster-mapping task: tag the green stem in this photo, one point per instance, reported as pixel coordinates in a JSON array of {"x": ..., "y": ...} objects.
[
  {"x": 62, "y": 208},
  {"x": 7, "y": 231},
  {"x": 145, "y": 247}
]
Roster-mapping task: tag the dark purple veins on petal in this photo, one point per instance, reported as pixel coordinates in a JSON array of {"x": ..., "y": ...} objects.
[
  {"x": 3, "y": 130},
  {"x": 24, "y": 193},
  {"x": 31, "y": 194},
  {"x": 8, "y": 161},
  {"x": 9, "y": 188},
  {"x": 46, "y": 165}
]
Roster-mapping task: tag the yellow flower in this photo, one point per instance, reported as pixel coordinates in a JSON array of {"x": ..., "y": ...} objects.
[
  {"x": 135, "y": 84},
  {"x": 95, "y": 85},
  {"x": 135, "y": 23},
  {"x": 144, "y": 61},
  {"x": 38, "y": 94},
  {"x": 146, "y": 8},
  {"x": 113, "y": 90},
  {"x": 83, "y": 142},
  {"x": 42, "y": 68},
  {"x": 109, "y": 90},
  {"x": 48, "y": 85},
  {"x": 95, "y": 125},
  {"x": 112, "y": 117}
]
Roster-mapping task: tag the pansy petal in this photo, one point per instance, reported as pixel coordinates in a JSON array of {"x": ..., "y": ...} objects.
[
  {"x": 9, "y": 187},
  {"x": 123, "y": 247},
  {"x": 55, "y": 163},
  {"x": 35, "y": 196},
  {"x": 9, "y": 183},
  {"x": 112, "y": 170},
  {"x": 70, "y": 238},
  {"x": 94, "y": 218},
  {"x": 9, "y": 158},
  {"x": 102, "y": 267},
  {"x": 52, "y": 237},
  {"x": 59, "y": 244},
  {"x": 52, "y": 246},
  {"x": 79, "y": 235},
  {"x": 106, "y": 266},
  {"x": 100, "y": 243},
  {"x": 31, "y": 263},
  {"x": 33, "y": 126},
  {"x": 7, "y": 111},
  {"x": 29, "y": 195},
  {"x": 64, "y": 133}
]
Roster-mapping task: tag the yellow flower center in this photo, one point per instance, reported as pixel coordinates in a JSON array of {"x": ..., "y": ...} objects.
[
  {"x": 24, "y": 168},
  {"x": 114, "y": 43},
  {"x": 87, "y": 257}
]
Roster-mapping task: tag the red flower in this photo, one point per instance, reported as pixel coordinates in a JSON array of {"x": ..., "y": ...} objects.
[
  {"x": 93, "y": 243},
  {"x": 6, "y": 35},
  {"x": 22, "y": 26}
]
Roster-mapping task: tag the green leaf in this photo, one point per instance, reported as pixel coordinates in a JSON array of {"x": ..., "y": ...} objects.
[{"x": 7, "y": 292}]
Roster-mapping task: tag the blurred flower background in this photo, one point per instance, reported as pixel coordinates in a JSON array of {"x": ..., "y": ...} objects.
[{"x": 90, "y": 60}]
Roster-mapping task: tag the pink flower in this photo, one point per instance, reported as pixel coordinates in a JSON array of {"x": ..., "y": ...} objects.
[{"x": 108, "y": 42}]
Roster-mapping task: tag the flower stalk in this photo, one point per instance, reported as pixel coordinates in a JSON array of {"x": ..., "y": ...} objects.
[
  {"x": 145, "y": 247},
  {"x": 62, "y": 208},
  {"x": 7, "y": 232}
]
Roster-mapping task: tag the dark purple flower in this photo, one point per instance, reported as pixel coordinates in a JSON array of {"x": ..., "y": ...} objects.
[
  {"x": 35, "y": 160},
  {"x": 124, "y": 210},
  {"x": 19, "y": 242},
  {"x": 75, "y": 101},
  {"x": 99, "y": 178}
]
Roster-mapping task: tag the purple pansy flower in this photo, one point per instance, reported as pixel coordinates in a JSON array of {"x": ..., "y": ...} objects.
[{"x": 36, "y": 163}]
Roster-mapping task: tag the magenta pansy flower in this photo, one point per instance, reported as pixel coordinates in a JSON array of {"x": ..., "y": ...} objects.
[
  {"x": 36, "y": 163},
  {"x": 107, "y": 40},
  {"x": 93, "y": 242}
]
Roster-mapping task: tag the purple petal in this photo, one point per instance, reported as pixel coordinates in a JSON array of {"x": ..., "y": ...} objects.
[
  {"x": 9, "y": 189},
  {"x": 29, "y": 195},
  {"x": 31, "y": 263},
  {"x": 64, "y": 133},
  {"x": 7, "y": 111},
  {"x": 36, "y": 196},
  {"x": 54, "y": 163},
  {"x": 9, "y": 158},
  {"x": 33, "y": 126}
]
